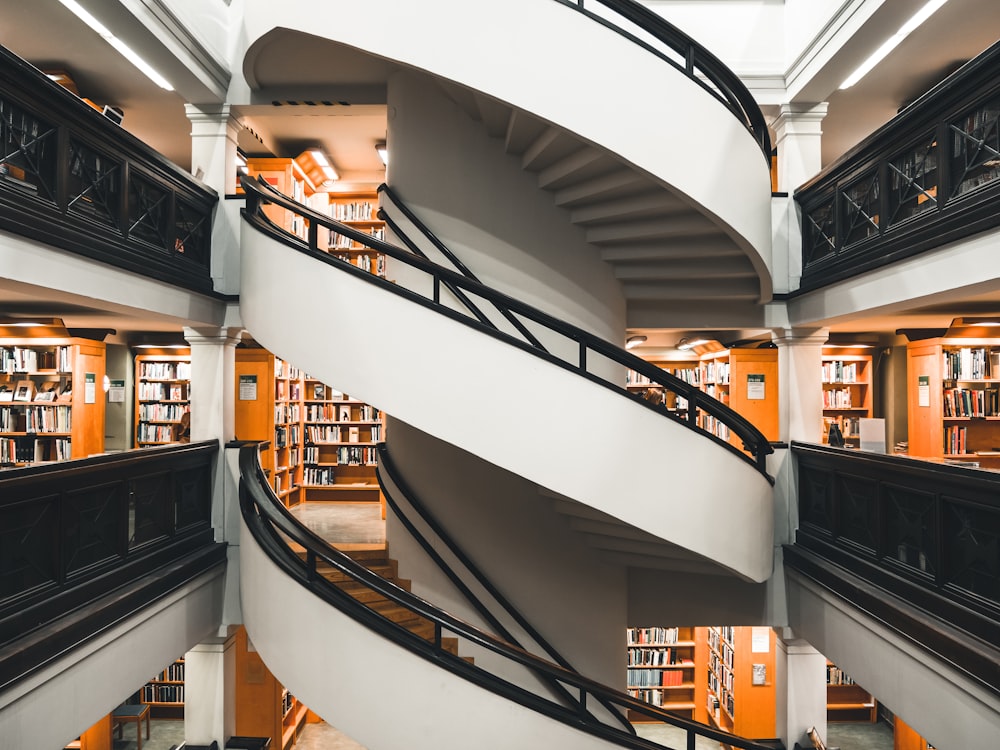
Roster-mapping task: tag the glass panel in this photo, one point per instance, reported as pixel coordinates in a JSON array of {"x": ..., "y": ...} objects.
[
  {"x": 975, "y": 148},
  {"x": 857, "y": 502},
  {"x": 972, "y": 544},
  {"x": 27, "y": 151},
  {"x": 910, "y": 532},
  {"x": 93, "y": 526},
  {"x": 148, "y": 211},
  {"x": 193, "y": 232},
  {"x": 816, "y": 497},
  {"x": 150, "y": 509},
  {"x": 913, "y": 181},
  {"x": 860, "y": 210},
  {"x": 820, "y": 233},
  {"x": 94, "y": 184}
]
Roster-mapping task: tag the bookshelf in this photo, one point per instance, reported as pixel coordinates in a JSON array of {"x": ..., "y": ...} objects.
[
  {"x": 740, "y": 697},
  {"x": 358, "y": 209},
  {"x": 269, "y": 407},
  {"x": 953, "y": 389},
  {"x": 51, "y": 399},
  {"x": 338, "y": 453},
  {"x": 847, "y": 391},
  {"x": 746, "y": 380},
  {"x": 846, "y": 700},
  {"x": 165, "y": 692},
  {"x": 662, "y": 669},
  {"x": 287, "y": 176},
  {"x": 162, "y": 395},
  {"x": 686, "y": 370}
]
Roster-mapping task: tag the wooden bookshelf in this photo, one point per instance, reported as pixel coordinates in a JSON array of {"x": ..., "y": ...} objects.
[
  {"x": 358, "y": 209},
  {"x": 846, "y": 700},
  {"x": 52, "y": 399},
  {"x": 165, "y": 692},
  {"x": 662, "y": 669},
  {"x": 847, "y": 391},
  {"x": 905, "y": 737},
  {"x": 953, "y": 390},
  {"x": 162, "y": 395},
  {"x": 338, "y": 453},
  {"x": 269, "y": 407},
  {"x": 740, "y": 697},
  {"x": 287, "y": 176},
  {"x": 746, "y": 380},
  {"x": 686, "y": 370}
]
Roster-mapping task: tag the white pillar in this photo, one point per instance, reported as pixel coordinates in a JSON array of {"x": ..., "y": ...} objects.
[
  {"x": 214, "y": 134},
  {"x": 798, "y": 130},
  {"x": 213, "y": 399},
  {"x": 210, "y": 692},
  {"x": 801, "y": 695}
]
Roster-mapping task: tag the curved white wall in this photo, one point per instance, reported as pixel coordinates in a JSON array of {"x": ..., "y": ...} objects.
[
  {"x": 356, "y": 679},
  {"x": 549, "y": 60},
  {"x": 534, "y": 418}
]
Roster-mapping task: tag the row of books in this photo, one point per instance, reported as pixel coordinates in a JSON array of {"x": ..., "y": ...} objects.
[
  {"x": 283, "y": 369},
  {"x": 835, "y": 676},
  {"x": 656, "y": 657},
  {"x": 346, "y": 455},
  {"x": 48, "y": 419},
  {"x": 155, "y": 433},
  {"x": 651, "y": 636},
  {"x": 154, "y": 412},
  {"x": 165, "y": 370},
  {"x": 652, "y": 697},
  {"x": 967, "y": 402},
  {"x": 153, "y": 693},
  {"x": 372, "y": 264},
  {"x": 342, "y": 241},
  {"x": 837, "y": 371},
  {"x": 24, "y": 450},
  {"x": 721, "y": 667},
  {"x": 970, "y": 363},
  {"x": 718, "y": 694},
  {"x": 716, "y": 372},
  {"x": 354, "y": 211},
  {"x": 714, "y": 426},
  {"x": 837, "y": 398},
  {"x": 955, "y": 440},
  {"x": 161, "y": 392},
  {"x": 719, "y": 633},
  {"x": 328, "y": 413},
  {"x": 644, "y": 678},
  {"x": 173, "y": 673},
  {"x": 287, "y": 390},
  {"x": 287, "y": 435},
  {"x": 287, "y": 412},
  {"x": 22, "y": 359}
]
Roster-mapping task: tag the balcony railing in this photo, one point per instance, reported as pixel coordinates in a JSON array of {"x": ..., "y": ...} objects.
[
  {"x": 135, "y": 525},
  {"x": 922, "y": 533},
  {"x": 74, "y": 179},
  {"x": 928, "y": 177}
]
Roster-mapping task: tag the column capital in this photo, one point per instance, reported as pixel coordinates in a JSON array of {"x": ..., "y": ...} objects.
[
  {"x": 795, "y": 118},
  {"x": 787, "y": 337},
  {"x": 221, "y": 336},
  {"x": 210, "y": 115}
]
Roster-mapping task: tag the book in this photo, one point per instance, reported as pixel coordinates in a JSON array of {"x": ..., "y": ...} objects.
[
  {"x": 24, "y": 391},
  {"x": 48, "y": 391},
  {"x": 6, "y": 393}
]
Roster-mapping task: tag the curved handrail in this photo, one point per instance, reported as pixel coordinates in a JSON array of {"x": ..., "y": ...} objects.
[
  {"x": 446, "y": 252},
  {"x": 754, "y": 442},
  {"x": 385, "y": 464},
  {"x": 725, "y": 84},
  {"x": 274, "y": 528}
]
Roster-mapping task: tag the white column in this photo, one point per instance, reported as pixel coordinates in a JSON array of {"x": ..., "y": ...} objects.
[
  {"x": 214, "y": 133},
  {"x": 210, "y": 692},
  {"x": 213, "y": 399},
  {"x": 801, "y": 690},
  {"x": 798, "y": 131}
]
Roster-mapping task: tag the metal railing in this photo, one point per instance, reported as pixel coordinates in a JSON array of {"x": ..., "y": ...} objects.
[
  {"x": 756, "y": 447},
  {"x": 654, "y": 33},
  {"x": 275, "y": 529}
]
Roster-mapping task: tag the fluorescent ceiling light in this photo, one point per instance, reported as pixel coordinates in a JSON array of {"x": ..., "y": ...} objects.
[
  {"x": 633, "y": 341},
  {"x": 684, "y": 345},
  {"x": 890, "y": 44},
  {"x": 118, "y": 44},
  {"x": 383, "y": 153}
]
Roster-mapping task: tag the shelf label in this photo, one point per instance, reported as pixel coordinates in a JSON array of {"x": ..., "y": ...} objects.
[
  {"x": 116, "y": 391},
  {"x": 755, "y": 387},
  {"x": 923, "y": 390},
  {"x": 89, "y": 388},
  {"x": 248, "y": 387}
]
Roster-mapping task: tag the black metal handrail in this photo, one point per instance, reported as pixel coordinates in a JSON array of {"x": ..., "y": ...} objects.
[
  {"x": 715, "y": 77},
  {"x": 927, "y": 178},
  {"x": 73, "y": 179},
  {"x": 275, "y": 529},
  {"x": 452, "y": 258},
  {"x": 388, "y": 466},
  {"x": 754, "y": 442}
]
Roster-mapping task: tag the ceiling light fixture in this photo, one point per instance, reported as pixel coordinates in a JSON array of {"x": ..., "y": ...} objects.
[
  {"x": 383, "y": 153},
  {"x": 633, "y": 341},
  {"x": 685, "y": 344},
  {"x": 118, "y": 44},
  {"x": 892, "y": 42}
]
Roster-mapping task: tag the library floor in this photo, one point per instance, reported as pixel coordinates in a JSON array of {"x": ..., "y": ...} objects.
[{"x": 349, "y": 524}]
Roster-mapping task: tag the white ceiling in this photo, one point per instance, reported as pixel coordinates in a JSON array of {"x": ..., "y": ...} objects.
[{"x": 353, "y": 117}]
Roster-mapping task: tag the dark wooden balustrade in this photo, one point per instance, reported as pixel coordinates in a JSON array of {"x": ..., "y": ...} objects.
[
  {"x": 120, "y": 530},
  {"x": 74, "y": 179}
]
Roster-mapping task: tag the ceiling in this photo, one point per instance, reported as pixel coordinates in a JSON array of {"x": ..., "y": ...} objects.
[{"x": 350, "y": 115}]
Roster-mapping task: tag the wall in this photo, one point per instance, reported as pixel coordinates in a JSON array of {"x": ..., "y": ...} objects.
[{"x": 118, "y": 422}]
